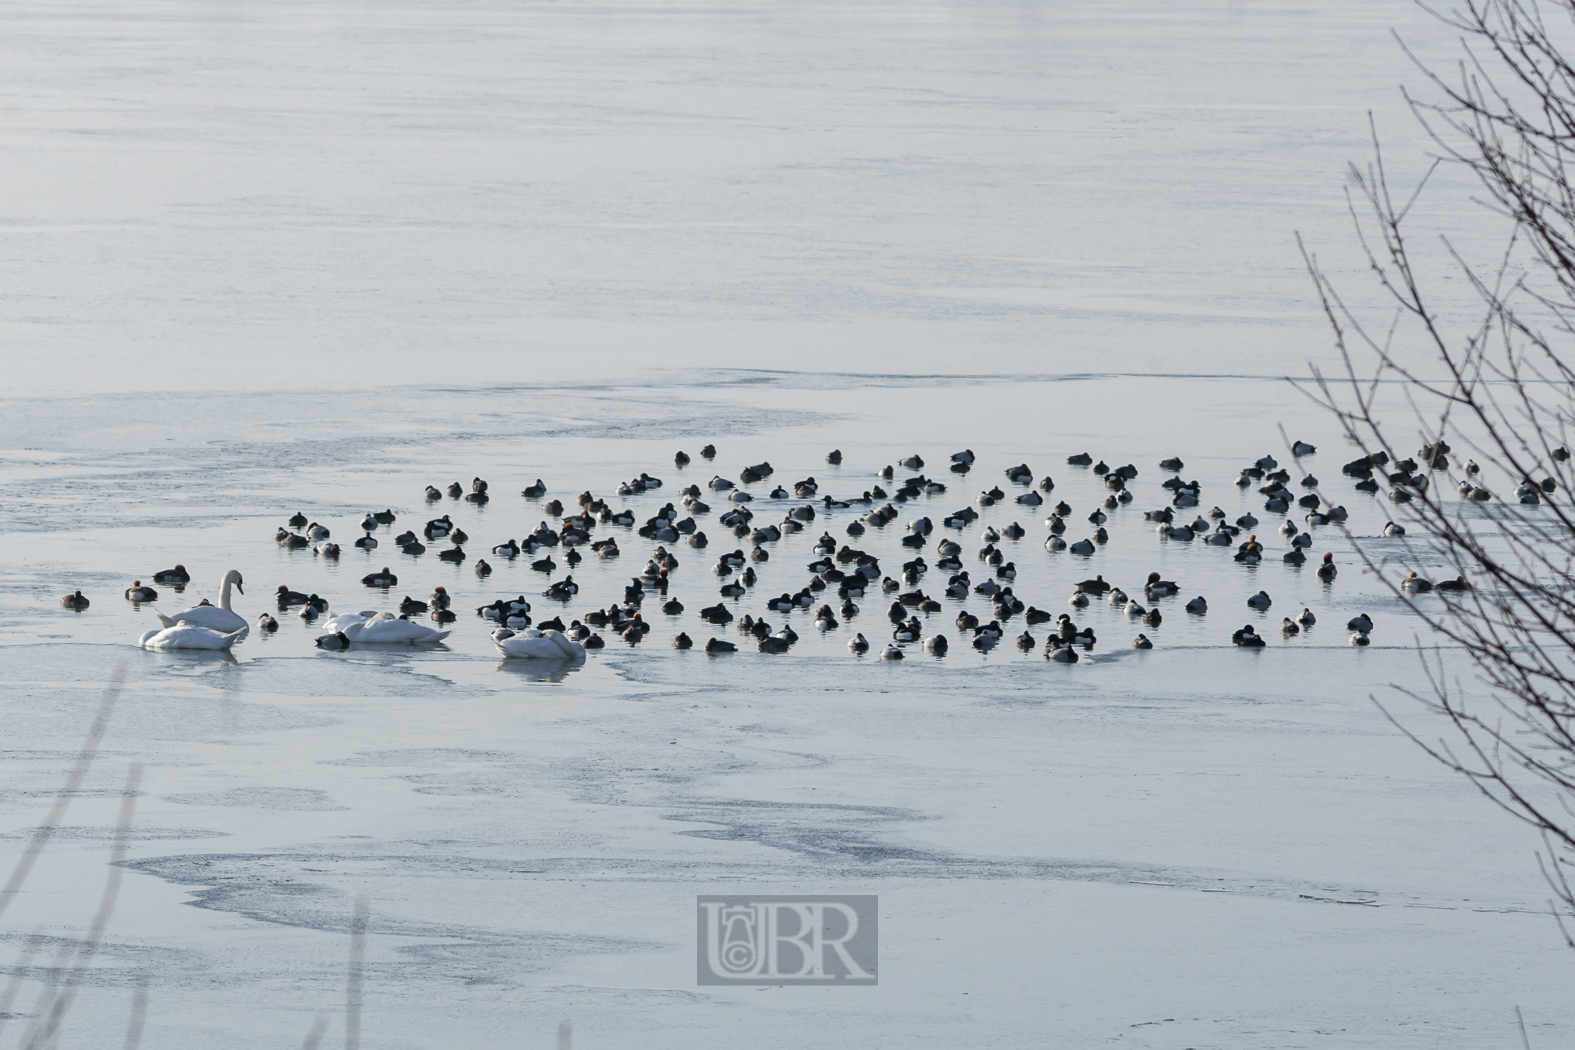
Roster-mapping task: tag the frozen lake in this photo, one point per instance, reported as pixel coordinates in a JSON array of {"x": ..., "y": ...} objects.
[{"x": 316, "y": 257}]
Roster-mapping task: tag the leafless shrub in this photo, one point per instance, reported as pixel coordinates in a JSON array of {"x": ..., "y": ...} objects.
[{"x": 1496, "y": 389}]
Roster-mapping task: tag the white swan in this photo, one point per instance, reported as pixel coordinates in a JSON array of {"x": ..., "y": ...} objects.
[
  {"x": 346, "y": 620},
  {"x": 548, "y": 644},
  {"x": 385, "y": 629},
  {"x": 214, "y": 617},
  {"x": 189, "y": 636}
]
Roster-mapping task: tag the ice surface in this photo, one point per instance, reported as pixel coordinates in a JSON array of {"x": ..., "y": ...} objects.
[{"x": 270, "y": 258}]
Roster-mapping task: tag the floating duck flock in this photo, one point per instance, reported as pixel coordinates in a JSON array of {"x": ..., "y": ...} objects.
[{"x": 841, "y": 582}]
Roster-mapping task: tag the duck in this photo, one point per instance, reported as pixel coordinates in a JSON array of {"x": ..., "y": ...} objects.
[
  {"x": 1250, "y": 551},
  {"x": 334, "y": 643},
  {"x": 1142, "y": 642},
  {"x": 367, "y": 542},
  {"x": 1261, "y": 600},
  {"x": 1061, "y": 654},
  {"x": 1327, "y": 571},
  {"x": 221, "y": 618},
  {"x": 185, "y": 635},
  {"x": 1362, "y": 623},
  {"x": 433, "y": 494},
  {"x": 267, "y": 623},
  {"x": 1458, "y": 584},
  {"x": 176, "y": 575},
  {"x": 891, "y": 652},
  {"x": 381, "y": 578},
  {"x": 1158, "y": 588},
  {"x": 1079, "y": 600},
  {"x": 1391, "y": 529},
  {"x": 858, "y": 644},
  {"x": 297, "y": 520},
  {"x": 1153, "y": 618},
  {"x": 538, "y": 490},
  {"x": 287, "y": 597},
  {"x": 138, "y": 593},
  {"x": 1294, "y": 556},
  {"x": 415, "y": 548},
  {"x": 1198, "y": 606},
  {"x": 454, "y": 554},
  {"x": 1360, "y": 638},
  {"x": 413, "y": 605},
  {"x": 936, "y": 645},
  {"x": 1302, "y": 448},
  {"x": 384, "y": 517},
  {"x": 327, "y": 550},
  {"x": 1414, "y": 584},
  {"x": 76, "y": 601},
  {"x": 315, "y": 531},
  {"x": 1289, "y": 627},
  {"x": 682, "y": 641},
  {"x": 1246, "y": 637}
]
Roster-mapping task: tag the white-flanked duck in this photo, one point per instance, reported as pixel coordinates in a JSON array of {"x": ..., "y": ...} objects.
[
  {"x": 1158, "y": 588},
  {"x": 138, "y": 593},
  {"x": 1414, "y": 584},
  {"x": 1248, "y": 638}
]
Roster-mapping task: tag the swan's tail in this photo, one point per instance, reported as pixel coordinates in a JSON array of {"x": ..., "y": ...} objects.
[
  {"x": 570, "y": 648},
  {"x": 441, "y": 635},
  {"x": 165, "y": 620},
  {"x": 233, "y": 637}
]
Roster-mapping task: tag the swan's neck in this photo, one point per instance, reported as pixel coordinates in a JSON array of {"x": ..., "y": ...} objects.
[{"x": 224, "y": 597}]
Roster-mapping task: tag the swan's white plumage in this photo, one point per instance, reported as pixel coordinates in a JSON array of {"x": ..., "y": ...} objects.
[
  {"x": 189, "y": 636},
  {"x": 220, "y": 618},
  {"x": 385, "y": 629},
  {"x": 534, "y": 644}
]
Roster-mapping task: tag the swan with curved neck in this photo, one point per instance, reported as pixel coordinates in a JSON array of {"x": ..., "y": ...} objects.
[
  {"x": 214, "y": 617},
  {"x": 189, "y": 636}
]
